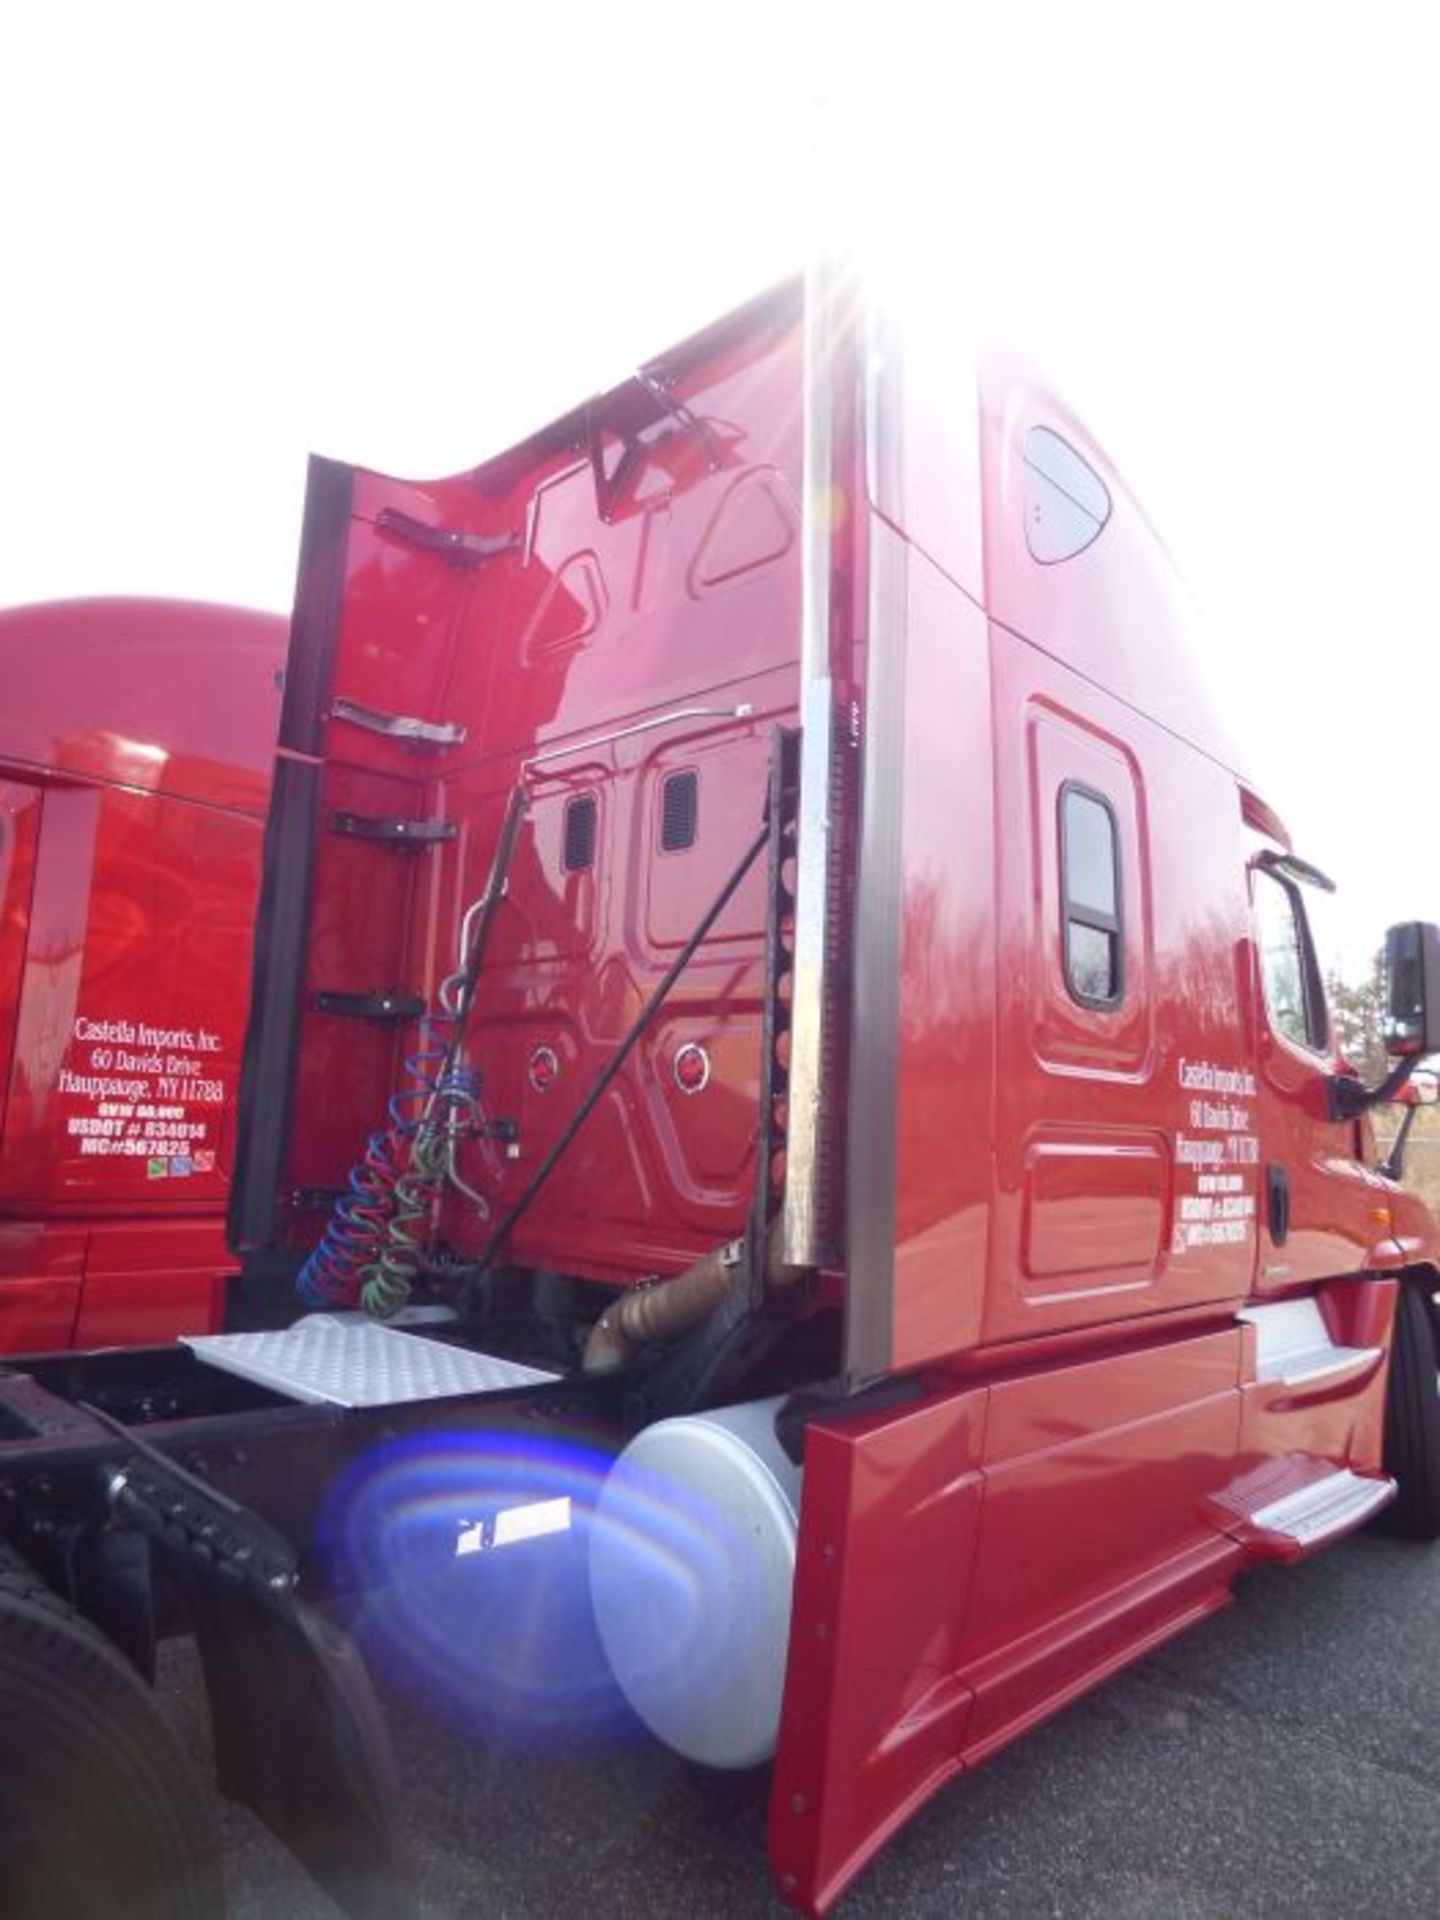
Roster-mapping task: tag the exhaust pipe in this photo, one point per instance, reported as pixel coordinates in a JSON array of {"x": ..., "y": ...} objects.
[{"x": 666, "y": 1309}]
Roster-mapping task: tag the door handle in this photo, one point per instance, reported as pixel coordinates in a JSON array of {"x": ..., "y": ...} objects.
[{"x": 1277, "y": 1203}]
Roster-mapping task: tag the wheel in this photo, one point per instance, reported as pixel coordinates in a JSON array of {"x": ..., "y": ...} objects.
[
  {"x": 1412, "y": 1419},
  {"x": 101, "y": 1817}
]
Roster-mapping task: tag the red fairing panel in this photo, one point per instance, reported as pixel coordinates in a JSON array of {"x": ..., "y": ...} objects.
[
  {"x": 1070, "y": 1177},
  {"x": 875, "y": 1716},
  {"x": 970, "y": 1562},
  {"x": 1038, "y": 1158},
  {"x": 627, "y": 567},
  {"x": 944, "y": 1059},
  {"x": 168, "y": 696},
  {"x": 132, "y": 1004},
  {"x": 136, "y": 737}
]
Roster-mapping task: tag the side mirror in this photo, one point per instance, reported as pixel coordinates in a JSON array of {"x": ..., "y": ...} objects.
[{"x": 1412, "y": 990}]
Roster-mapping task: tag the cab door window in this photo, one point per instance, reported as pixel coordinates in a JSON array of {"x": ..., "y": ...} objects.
[
  {"x": 1294, "y": 998},
  {"x": 1090, "y": 888}
]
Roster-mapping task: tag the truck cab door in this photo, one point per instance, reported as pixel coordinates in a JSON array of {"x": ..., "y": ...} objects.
[{"x": 1316, "y": 1200}]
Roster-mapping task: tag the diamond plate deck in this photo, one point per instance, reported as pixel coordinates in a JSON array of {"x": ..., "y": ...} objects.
[{"x": 337, "y": 1361}]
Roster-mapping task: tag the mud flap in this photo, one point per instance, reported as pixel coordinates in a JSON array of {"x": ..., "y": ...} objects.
[
  {"x": 299, "y": 1735},
  {"x": 300, "y": 1739}
]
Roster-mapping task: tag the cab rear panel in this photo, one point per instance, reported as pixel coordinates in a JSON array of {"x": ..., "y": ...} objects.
[{"x": 609, "y": 617}]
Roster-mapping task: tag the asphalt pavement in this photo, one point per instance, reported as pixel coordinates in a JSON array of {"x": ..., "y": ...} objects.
[{"x": 1282, "y": 1758}]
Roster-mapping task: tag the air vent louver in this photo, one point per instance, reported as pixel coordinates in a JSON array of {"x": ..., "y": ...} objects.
[
  {"x": 580, "y": 833},
  {"x": 679, "y": 812}
]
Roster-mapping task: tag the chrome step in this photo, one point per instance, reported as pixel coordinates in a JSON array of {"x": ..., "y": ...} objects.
[
  {"x": 1325, "y": 1509},
  {"x": 1285, "y": 1508},
  {"x": 1293, "y": 1347}
]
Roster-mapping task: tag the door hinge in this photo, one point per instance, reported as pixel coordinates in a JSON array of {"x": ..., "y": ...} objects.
[{"x": 1277, "y": 1203}]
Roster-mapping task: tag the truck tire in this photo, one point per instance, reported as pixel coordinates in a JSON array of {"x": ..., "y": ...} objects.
[
  {"x": 1412, "y": 1419},
  {"x": 101, "y": 1815}
]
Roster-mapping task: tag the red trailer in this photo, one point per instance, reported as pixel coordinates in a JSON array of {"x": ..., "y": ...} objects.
[
  {"x": 788, "y": 1074},
  {"x": 135, "y": 746}
]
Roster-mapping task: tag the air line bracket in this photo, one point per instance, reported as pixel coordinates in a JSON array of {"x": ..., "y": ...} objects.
[
  {"x": 456, "y": 545},
  {"x": 391, "y": 832},
  {"x": 398, "y": 726},
  {"x": 386, "y": 1003}
]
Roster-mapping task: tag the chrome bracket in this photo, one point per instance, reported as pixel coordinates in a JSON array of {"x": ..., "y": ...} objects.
[{"x": 398, "y": 726}]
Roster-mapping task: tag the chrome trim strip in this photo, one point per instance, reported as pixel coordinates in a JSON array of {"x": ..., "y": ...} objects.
[
  {"x": 800, "y": 1213},
  {"x": 742, "y": 712},
  {"x": 875, "y": 1012},
  {"x": 884, "y": 410}
]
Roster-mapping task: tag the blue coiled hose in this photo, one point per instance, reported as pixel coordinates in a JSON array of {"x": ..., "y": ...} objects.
[{"x": 376, "y": 1239}]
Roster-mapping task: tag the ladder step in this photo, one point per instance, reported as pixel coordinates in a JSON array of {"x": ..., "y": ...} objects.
[
  {"x": 1289, "y": 1507},
  {"x": 1294, "y": 1348},
  {"x": 1325, "y": 1509},
  {"x": 1312, "y": 1367}
]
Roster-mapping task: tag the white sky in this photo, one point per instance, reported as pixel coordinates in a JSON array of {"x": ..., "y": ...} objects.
[{"x": 407, "y": 233}]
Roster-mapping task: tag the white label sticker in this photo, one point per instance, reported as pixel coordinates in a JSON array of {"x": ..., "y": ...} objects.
[
  {"x": 1214, "y": 1157},
  {"x": 140, "y": 1092}
]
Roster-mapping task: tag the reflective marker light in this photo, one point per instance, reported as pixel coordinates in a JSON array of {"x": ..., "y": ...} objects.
[
  {"x": 544, "y": 1069},
  {"x": 692, "y": 1068}
]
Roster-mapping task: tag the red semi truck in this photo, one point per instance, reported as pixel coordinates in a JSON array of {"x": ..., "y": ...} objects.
[
  {"x": 788, "y": 1103},
  {"x": 135, "y": 745}
]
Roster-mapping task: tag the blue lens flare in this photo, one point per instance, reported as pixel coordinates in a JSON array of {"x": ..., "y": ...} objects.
[{"x": 472, "y": 1548}]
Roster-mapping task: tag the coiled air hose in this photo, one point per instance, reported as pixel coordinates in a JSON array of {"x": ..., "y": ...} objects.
[
  {"x": 376, "y": 1240},
  {"x": 378, "y": 1236}
]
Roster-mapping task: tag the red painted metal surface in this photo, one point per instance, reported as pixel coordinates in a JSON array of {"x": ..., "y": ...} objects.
[
  {"x": 1073, "y": 1186},
  {"x": 684, "y": 597},
  {"x": 875, "y": 1711},
  {"x": 135, "y": 747},
  {"x": 1103, "y": 1213},
  {"x": 946, "y": 1062}
]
